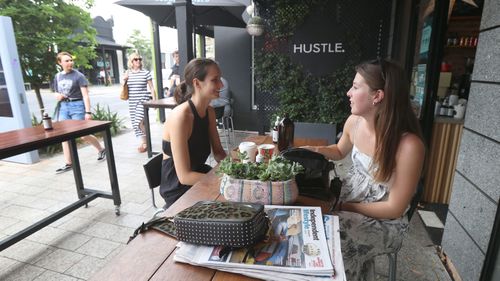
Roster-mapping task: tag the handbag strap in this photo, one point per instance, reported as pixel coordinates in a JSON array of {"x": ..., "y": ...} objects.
[
  {"x": 163, "y": 224},
  {"x": 126, "y": 81}
]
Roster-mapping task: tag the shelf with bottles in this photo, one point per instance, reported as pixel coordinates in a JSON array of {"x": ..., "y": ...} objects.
[{"x": 461, "y": 42}]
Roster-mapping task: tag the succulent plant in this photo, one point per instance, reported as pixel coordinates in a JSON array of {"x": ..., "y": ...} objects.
[
  {"x": 256, "y": 20},
  {"x": 255, "y": 26}
]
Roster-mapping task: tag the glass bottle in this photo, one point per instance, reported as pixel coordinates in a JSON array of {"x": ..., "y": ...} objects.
[
  {"x": 275, "y": 130},
  {"x": 47, "y": 121},
  {"x": 285, "y": 133}
]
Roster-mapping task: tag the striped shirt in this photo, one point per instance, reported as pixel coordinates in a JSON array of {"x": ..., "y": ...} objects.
[{"x": 137, "y": 81}]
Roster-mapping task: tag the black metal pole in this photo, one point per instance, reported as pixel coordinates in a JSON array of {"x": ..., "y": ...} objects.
[
  {"x": 103, "y": 52},
  {"x": 203, "y": 44},
  {"x": 159, "y": 77},
  {"x": 184, "y": 21},
  {"x": 433, "y": 65}
]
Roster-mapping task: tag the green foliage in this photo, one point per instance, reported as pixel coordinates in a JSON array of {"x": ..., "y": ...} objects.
[
  {"x": 40, "y": 27},
  {"x": 332, "y": 102},
  {"x": 105, "y": 114},
  {"x": 288, "y": 15},
  {"x": 87, "y": 4},
  {"x": 256, "y": 20},
  {"x": 143, "y": 46},
  {"x": 303, "y": 97},
  {"x": 278, "y": 169}
]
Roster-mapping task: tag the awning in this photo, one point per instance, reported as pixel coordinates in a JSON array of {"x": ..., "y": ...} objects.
[
  {"x": 108, "y": 43},
  {"x": 205, "y": 12}
]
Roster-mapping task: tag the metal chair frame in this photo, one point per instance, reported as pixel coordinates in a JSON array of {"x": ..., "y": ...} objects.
[
  {"x": 227, "y": 125},
  {"x": 393, "y": 257},
  {"x": 152, "y": 169}
]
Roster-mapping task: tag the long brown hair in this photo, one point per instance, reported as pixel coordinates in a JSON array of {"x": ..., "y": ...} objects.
[
  {"x": 196, "y": 68},
  {"x": 395, "y": 115}
]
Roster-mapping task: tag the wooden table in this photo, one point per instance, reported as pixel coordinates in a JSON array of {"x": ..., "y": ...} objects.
[
  {"x": 160, "y": 103},
  {"x": 28, "y": 139},
  {"x": 150, "y": 255}
]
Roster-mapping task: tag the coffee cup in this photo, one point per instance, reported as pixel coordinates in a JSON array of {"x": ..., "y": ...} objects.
[
  {"x": 453, "y": 100},
  {"x": 459, "y": 111},
  {"x": 250, "y": 148},
  {"x": 266, "y": 150}
]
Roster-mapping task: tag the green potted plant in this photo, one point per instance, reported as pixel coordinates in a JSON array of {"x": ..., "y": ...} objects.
[
  {"x": 271, "y": 183},
  {"x": 255, "y": 26}
]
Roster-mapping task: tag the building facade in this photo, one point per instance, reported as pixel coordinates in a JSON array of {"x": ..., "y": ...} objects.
[
  {"x": 471, "y": 235},
  {"x": 111, "y": 57}
]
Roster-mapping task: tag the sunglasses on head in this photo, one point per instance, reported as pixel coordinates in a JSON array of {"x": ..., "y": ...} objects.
[{"x": 138, "y": 59}]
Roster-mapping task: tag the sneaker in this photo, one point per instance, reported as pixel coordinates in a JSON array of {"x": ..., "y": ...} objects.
[
  {"x": 64, "y": 168},
  {"x": 101, "y": 155}
]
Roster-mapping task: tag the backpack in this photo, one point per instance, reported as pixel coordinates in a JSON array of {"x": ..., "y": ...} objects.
[{"x": 315, "y": 180}]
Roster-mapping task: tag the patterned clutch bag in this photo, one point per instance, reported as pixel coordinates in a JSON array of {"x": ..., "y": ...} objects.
[
  {"x": 230, "y": 224},
  {"x": 222, "y": 223}
]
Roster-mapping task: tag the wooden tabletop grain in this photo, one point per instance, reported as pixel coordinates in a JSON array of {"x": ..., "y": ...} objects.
[{"x": 27, "y": 139}]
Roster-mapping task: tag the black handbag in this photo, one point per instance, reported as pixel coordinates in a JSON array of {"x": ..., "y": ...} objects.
[
  {"x": 212, "y": 223},
  {"x": 315, "y": 180}
]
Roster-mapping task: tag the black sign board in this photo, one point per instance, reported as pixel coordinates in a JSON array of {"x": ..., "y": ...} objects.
[{"x": 319, "y": 44}]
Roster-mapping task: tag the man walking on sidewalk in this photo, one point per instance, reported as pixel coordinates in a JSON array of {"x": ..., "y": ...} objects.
[{"x": 70, "y": 87}]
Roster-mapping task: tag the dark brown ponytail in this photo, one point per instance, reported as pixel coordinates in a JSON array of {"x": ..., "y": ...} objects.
[{"x": 181, "y": 94}]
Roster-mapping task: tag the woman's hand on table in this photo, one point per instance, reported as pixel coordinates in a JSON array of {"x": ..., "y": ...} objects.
[{"x": 336, "y": 206}]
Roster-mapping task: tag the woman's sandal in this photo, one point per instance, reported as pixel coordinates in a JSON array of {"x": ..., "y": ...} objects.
[{"x": 142, "y": 148}]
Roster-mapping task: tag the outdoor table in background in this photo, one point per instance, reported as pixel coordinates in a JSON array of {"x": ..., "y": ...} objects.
[
  {"x": 160, "y": 103},
  {"x": 28, "y": 139},
  {"x": 150, "y": 256}
]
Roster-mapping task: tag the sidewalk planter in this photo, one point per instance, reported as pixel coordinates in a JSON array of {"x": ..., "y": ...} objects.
[{"x": 256, "y": 191}]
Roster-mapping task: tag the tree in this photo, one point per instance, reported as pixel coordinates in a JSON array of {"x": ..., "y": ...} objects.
[
  {"x": 44, "y": 27},
  {"x": 141, "y": 46}
]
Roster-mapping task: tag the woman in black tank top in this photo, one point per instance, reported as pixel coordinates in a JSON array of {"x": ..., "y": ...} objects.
[{"x": 190, "y": 132}]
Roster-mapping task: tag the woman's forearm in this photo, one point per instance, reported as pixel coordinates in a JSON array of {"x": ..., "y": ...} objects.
[
  {"x": 330, "y": 152},
  {"x": 190, "y": 178},
  {"x": 376, "y": 210}
]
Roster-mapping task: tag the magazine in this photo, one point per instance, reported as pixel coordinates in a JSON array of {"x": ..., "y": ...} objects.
[
  {"x": 295, "y": 248},
  {"x": 332, "y": 231}
]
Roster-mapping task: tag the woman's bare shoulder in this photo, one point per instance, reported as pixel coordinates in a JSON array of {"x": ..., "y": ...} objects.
[
  {"x": 179, "y": 115},
  {"x": 181, "y": 111},
  {"x": 411, "y": 143},
  {"x": 349, "y": 125}
]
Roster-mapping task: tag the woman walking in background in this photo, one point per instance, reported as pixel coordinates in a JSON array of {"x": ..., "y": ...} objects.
[
  {"x": 71, "y": 90},
  {"x": 138, "y": 81}
]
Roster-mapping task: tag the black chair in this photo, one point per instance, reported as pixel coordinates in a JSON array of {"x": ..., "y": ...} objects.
[
  {"x": 226, "y": 121},
  {"x": 393, "y": 257},
  {"x": 152, "y": 169}
]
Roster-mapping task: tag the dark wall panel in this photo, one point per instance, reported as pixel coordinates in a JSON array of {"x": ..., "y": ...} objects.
[{"x": 233, "y": 51}]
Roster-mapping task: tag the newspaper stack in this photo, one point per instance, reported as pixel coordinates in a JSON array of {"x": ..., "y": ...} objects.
[{"x": 302, "y": 245}]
